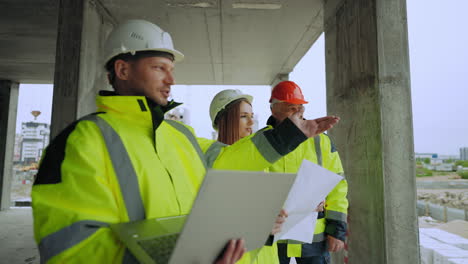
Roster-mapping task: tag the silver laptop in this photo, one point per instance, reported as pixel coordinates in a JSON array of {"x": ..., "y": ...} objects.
[{"x": 229, "y": 205}]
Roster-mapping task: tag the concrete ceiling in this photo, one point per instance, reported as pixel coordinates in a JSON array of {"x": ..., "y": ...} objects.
[
  {"x": 28, "y": 33},
  {"x": 224, "y": 41}
]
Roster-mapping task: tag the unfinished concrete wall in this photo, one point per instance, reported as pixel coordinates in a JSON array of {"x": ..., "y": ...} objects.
[
  {"x": 83, "y": 26},
  {"x": 368, "y": 85},
  {"x": 8, "y": 108},
  {"x": 279, "y": 78}
]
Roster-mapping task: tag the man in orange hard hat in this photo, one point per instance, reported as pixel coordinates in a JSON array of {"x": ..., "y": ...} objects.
[
  {"x": 330, "y": 229},
  {"x": 286, "y": 99}
]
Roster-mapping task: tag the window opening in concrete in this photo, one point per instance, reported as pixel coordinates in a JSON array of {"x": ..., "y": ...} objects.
[
  {"x": 309, "y": 74},
  {"x": 31, "y": 138}
]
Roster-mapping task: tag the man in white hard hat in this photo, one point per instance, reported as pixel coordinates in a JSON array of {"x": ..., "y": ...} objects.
[{"x": 126, "y": 163}]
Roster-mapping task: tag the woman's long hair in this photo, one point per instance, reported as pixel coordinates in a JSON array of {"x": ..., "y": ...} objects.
[{"x": 227, "y": 122}]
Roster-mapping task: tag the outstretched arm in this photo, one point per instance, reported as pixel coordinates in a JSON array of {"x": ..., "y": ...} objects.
[{"x": 314, "y": 127}]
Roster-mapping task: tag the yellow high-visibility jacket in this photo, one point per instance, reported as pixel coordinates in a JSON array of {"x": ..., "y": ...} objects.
[
  {"x": 127, "y": 163},
  {"x": 333, "y": 221},
  {"x": 268, "y": 254}
]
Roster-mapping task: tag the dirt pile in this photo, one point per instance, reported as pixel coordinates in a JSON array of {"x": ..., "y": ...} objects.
[{"x": 450, "y": 199}]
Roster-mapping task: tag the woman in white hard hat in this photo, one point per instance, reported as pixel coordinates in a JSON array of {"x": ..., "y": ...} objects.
[{"x": 232, "y": 116}]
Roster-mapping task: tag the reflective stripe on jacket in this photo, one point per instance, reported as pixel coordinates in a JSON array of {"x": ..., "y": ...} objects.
[{"x": 122, "y": 164}]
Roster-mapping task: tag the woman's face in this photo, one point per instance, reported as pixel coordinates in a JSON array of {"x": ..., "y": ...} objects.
[{"x": 246, "y": 119}]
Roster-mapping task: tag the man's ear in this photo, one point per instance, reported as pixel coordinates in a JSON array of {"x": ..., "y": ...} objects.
[{"x": 122, "y": 69}]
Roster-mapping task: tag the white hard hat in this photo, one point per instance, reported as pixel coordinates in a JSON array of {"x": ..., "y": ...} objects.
[
  {"x": 222, "y": 99},
  {"x": 138, "y": 35}
]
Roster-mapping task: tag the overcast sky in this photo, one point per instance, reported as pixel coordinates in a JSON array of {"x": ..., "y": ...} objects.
[
  {"x": 439, "y": 81},
  {"x": 438, "y": 43}
]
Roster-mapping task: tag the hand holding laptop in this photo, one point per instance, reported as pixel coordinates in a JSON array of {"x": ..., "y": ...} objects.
[
  {"x": 201, "y": 236},
  {"x": 235, "y": 248}
]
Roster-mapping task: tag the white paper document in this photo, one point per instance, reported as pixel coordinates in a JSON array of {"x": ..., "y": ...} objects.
[{"x": 312, "y": 185}]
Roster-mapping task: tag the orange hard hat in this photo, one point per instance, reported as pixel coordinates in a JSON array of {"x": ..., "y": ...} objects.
[{"x": 288, "y": 91}]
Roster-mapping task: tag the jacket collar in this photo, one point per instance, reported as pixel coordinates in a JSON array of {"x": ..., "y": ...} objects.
[
  {"x": 136, "y": 107},
  {"x": 271, "y": 121}
]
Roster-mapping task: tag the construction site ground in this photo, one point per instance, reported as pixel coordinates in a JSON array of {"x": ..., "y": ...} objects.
[
  {"x": 18, "y": 244},
  {"x": 16, "y": 236},
  {"x": 454, "y": 198}
]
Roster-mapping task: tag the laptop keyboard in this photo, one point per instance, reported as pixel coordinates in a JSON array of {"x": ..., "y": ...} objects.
[{"x": 160, "y": 248}]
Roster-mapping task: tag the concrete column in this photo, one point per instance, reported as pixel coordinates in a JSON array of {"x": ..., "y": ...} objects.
[
  {"x": 279, "y": 78},
  {"x": 83, "y": 26},
  {"x": 8, "y": 109},
  {"x": 368, "y": 85}
]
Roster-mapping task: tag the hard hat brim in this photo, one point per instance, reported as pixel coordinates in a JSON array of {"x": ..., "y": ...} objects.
[
  {"x": 296, "y": 101},
  {"x": 246, "y": 96},
  {"x": 178, "y": 56},
  {"x": 291, "y": 101}
]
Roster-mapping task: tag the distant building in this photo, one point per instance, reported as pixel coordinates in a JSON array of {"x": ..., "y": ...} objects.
[
  {"x": 440, "y": 167},
  {"x": 255, "y": 124},
  {"x": 179, "y": 114},
  {"x": 214, "y": 135},
  {"x": 426, "y": 155},
  {"x": 437, "y": 162},
  {"x": 448, "y": 157},
  {"x": 17, "y": 148},
  {"x": 464, "y": 153},
  {"x": 35, "y": 137}
]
